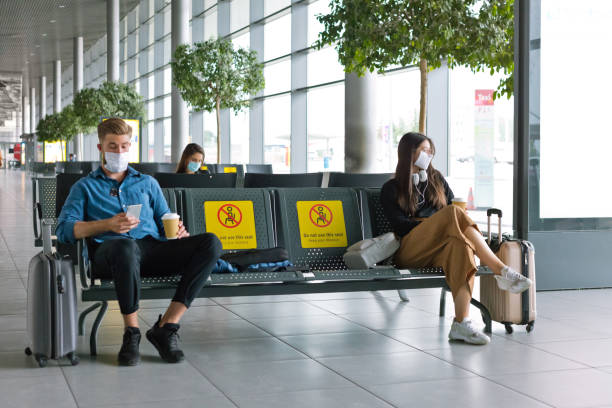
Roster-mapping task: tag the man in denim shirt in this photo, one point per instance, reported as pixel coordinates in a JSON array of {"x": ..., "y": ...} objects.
[{"x": 122, "y": 245}]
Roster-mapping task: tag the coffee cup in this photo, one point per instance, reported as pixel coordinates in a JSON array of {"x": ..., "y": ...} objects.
[
  {"x": 460, "y": 202},
  {"x": 171, "y": 225}
]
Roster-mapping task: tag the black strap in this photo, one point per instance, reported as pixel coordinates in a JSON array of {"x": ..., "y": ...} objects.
[{"x": 525, "y": 271}]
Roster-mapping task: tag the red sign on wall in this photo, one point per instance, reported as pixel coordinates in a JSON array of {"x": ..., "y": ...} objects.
[{"x": 484, "y": 97}]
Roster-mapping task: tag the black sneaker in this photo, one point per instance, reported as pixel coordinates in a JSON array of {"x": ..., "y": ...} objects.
[
  {"x": 165, "y": 340},
  {"x": 129, "y": 354}
]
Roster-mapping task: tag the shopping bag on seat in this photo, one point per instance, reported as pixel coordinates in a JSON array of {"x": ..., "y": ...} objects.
[{"x": 367, "y": 253}]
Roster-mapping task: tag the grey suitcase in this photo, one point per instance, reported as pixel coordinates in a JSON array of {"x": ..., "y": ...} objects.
[
  {"x": 51, "y": 305},
  {"x": 505, "y": 307}
]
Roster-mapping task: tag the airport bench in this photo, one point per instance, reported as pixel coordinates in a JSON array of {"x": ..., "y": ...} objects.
[{"x": 324, "y": 270}]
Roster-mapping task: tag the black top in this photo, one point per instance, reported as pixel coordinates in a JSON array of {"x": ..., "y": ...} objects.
[{"x": 401, "y": 222}]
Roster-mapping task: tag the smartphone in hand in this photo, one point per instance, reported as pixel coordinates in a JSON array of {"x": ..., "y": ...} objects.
[{"x": 134, "y": 210}]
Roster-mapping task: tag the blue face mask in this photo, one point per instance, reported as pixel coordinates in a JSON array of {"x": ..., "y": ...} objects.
[{"x": 193, "y": 166}]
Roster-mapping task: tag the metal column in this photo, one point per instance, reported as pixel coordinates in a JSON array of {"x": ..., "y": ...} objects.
[
  {"x": 180, "y": 114},
  {"x": 359, "y": 123},
  {"x": 112, "y": 40},
  {"x": 299, "y": 79},
  {"x": 223, "y": 29},
  {"x": 43, "y": 98},
  {"x": 57, "y": 86},
  {"x": 33, "y": 110},
  {"x": 77, "y": 81}
]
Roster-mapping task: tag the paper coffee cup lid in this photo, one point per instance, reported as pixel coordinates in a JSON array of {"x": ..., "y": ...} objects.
[
  {"x": 460, "y": 199},
  {"x": 170, "y": 216}
]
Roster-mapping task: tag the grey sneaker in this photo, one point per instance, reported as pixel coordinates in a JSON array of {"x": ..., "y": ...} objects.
[
  {"x": 512, "y": 281},
  {"x": 466, "y": 332}
]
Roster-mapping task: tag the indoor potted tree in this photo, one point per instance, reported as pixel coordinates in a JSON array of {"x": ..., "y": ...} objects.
[
  {"x": 110, "y": 99},
  {"x": 59, "y": 127},
  {"x": 212, "y": 75},
  {"x": 375, "y": 35}
]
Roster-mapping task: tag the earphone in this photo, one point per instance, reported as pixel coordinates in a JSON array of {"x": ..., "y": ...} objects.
[{"x": 419, "y": 177}]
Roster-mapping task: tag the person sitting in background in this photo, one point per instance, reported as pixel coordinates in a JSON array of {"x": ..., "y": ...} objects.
[
  {"x": 192, "y": 160},
  {"x": 72, "y": 157}
]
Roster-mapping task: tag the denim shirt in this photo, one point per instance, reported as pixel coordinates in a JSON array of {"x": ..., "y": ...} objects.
[{"x": 98, "y": 197}]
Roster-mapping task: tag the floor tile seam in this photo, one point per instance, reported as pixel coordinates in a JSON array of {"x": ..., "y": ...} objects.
[
  {"x": 76, "y": 403},
  {"x": 213, "y": 383},
  {"x": 501, "y": 336},
  {"x": 318, "y": 362},
  {"x": 459, "y": 367},
  {"x": 566, "y": 358},
  {"x": 467, "y": 378},
  {"x": 342, "y": 314}
]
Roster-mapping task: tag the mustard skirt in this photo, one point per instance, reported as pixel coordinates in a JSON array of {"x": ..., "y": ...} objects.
[{"x": 439, "y": 241}]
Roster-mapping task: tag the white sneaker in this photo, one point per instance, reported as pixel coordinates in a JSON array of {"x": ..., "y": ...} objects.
[
  {"x": 467, "y": 332},
  {"x": 512, "y": 281}
]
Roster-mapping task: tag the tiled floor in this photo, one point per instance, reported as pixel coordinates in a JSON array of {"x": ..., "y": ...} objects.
[{"x": 335, "y": 350}]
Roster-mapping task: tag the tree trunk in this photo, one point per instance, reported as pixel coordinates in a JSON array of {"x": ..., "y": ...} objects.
[
  {"x": 218, "y": 130},
  {"x": 423, "y": 103}
]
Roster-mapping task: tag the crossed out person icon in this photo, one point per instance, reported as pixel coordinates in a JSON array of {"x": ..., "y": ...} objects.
[
  {"x": 322, "y": 217},
  {"x": 230, "y": 216}
]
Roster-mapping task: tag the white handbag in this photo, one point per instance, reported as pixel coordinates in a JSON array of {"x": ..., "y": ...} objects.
[{"x": 367, "y": 253}]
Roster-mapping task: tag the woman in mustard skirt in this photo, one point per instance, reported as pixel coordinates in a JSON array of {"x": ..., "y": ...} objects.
[{"x": 417, "y": 202}]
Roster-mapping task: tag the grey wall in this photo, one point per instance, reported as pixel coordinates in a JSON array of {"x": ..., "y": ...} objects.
[{"x": 572, "y": 259}]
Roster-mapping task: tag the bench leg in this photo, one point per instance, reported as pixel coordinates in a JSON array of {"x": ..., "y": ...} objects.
[
  {"x": 443, "y": 302},
  {"x": 403, "y": 294},
  {"x": 486, "y": 316},
  {"x": 84, "y": 314},
  {"x": 94, "y": 330}
]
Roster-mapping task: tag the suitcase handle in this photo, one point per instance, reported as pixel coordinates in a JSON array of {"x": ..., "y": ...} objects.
[{"x": 490, "y": 212}]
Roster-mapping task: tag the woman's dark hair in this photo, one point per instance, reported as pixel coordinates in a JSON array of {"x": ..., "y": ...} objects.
[
  {"x": 189, "y": 151},
  {"x": 406, "y": 197}
]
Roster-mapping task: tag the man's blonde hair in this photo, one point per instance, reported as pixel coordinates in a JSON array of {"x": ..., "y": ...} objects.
[{"x": 115, "y": 126}]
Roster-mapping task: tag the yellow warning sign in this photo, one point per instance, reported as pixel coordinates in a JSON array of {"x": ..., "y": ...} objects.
[
  {"x": 233, "y": 222},
  {"x": 321, "y": 224},
  {"x": 229, "y": 170}
]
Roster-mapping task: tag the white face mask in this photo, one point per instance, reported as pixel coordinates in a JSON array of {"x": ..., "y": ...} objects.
[
  {"x": 423, "y": 161},
  {"x": 116, "y": 162}
]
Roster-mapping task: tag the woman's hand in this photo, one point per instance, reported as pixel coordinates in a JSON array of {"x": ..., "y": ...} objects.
[{"x": 182, "y": 232}]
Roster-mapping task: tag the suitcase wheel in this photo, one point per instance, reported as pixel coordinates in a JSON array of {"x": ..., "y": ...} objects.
[
  {"x": 42, "y": 360},
  {"x": 509, "y": 328},
  {"x": 74, "y": 360},
  {"x": 530, "y": 326},
  {"x": 28, "y": 351}
]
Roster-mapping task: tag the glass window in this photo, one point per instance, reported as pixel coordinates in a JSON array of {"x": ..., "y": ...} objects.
[
  {"x": 277, "y": 132},
  {"x": 242, "y": 41},
  {"x": 277, "y": 76},
  {"x": 210, "y": 137},
  {"x": 323, "y": 66},
  {"x": 397, "y": 106},
  {"x": 210, "y": 25},
  {"x": 167, "y": 80},
  {"x": 167, "y": 141},
  {"x": 481, "y": 143},
  {"x": 197, "y": 29},
  {"x": 239, "y": 137},
  {"x": 239, "y": 14},
  {"x": 277, "y": 37},
  {"x": 271, "y": 6},
  {"x": 314, "y": 27},
  {"x": 325, "y": 122}
]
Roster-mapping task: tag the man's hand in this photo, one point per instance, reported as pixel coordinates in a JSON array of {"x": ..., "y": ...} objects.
[
  {"x": 182, "y": 232},
  {"x": 122, "y": 223}
]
